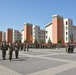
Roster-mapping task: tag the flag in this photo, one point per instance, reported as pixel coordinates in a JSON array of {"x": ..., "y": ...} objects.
[
  {"x": 71, "y": 36},
  {"x": 63, "y": 42},
  {"x": 31, "y": 38}
]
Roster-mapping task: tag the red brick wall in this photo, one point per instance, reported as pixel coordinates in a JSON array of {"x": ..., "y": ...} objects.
[
  {"x": 57, "y": 23},
  {"x": 28, "y": 33},
  {"x": 9, "y": 35}
]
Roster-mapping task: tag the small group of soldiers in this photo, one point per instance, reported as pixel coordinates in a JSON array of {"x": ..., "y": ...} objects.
[
  {"x": 12, "y": 47},
  {"x": 24, "y": 46}
]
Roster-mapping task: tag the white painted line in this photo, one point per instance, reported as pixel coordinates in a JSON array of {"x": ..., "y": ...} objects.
[{"x": 55, "y": 70}]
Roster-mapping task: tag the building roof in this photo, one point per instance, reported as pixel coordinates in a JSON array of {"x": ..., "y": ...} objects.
[
  {"x": 68, "y": 19},
  {"x": 56, "y": 15},
  {"x": 28, "y": 24},
  {"x": 22, "y": 30},
  {"x": 9, "y": 29},
  {"x": 1, "y": 31},
  {"x": 48, "y": 24}
]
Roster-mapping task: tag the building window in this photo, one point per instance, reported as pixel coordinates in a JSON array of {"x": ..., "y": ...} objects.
[
  {"x": 38, "y": 28},
  {"x": 46, "y": 32},
  {"x": 66, "y": 33},
  {"x": 34, "y": 28},
  {"x": 46, "y": 37},
  {"x": 66, "y": 28},
  {"x": 39, "y": 36},
  {"x": 66, "y": 23},
  {"x": 39, "y": 33},
  {"x": 66, "y": 38}
]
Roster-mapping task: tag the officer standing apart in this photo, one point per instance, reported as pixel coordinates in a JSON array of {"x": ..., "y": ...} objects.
[
  {"x": 16, "y": 50},
  {"x": 10, "y": 49},
  {"x": 4, "y": 48}
]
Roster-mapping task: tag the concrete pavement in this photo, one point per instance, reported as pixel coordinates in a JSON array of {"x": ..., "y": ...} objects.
[{"x": 40, "y": 62}]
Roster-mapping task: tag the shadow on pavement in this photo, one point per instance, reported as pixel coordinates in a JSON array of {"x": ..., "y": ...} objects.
[{"x": 20, "y": 59}]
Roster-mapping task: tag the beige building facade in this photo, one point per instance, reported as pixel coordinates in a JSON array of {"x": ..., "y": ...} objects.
[
  {"x": 60, "y": 29},
  {"x": 31, "y": 32}
]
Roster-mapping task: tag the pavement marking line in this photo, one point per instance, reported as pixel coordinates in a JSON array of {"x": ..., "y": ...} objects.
[
  {"x": 56, "y": 59},
  {"x": 7, "y": 71},
  {"x": 55, "y": 70},
  {"x": 51, "y": 54},
  {"x": 49, "y": 51}
]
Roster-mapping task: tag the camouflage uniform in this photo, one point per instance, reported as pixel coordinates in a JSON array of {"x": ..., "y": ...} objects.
[
  {"x": 10, "y": 48},
  {"x": 24, "y": 47},
  {"x": 17, "y": 47},
  {"x": 4, "y": 48},
  {"x": 21, "y": 46}
]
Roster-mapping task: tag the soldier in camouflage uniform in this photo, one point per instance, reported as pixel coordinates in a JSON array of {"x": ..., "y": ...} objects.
[
  {"x": 17, "y": 47},
  {"x": 21, "y": 46},
  {"x": 4, "y": 48},
  {"x": 10, "y": 49},
  {"x": 24, "y": 46}
]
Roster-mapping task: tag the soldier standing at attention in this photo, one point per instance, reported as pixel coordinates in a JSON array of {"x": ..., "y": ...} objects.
[
  {"x": 24, "y": 46},
  {"x": 21, "y": 46},
  {"x": 10, "y": 48},
  {"x": 3, "y": 47},
  {"x": 17, "y": 50}
]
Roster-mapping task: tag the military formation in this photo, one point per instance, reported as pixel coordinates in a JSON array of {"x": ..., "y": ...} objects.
[{"x": 12, "y": 47}]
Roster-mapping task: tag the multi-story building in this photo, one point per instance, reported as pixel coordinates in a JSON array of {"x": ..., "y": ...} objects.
[
  {"x": 9, "y": 35},
  {"x": 31, "y": 32},
  {"x": 54, "y": 29},
  {"x": 16, "y": 35},
  {"x": 42, "y": 35},
  {"x": 36, "y": 33},
  {"x": 74, "y": 33},
  {"x": 68, "y": 29},
  {"x": 22, "y": 35},
  {"x": 3, "y": 36},
  {"x": 60, "y": 28},
  {"x": 27, "y": 32},
  {"x": 48, "y": 33},
  {"x": 12, "y": 35}
]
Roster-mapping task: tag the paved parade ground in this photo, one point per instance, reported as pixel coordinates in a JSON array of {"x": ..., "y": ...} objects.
[{"x": 40, "y": 62}]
